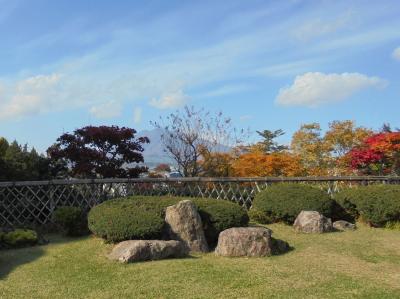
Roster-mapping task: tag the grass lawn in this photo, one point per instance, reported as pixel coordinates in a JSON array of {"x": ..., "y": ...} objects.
[{"x": 360, "y": 264}]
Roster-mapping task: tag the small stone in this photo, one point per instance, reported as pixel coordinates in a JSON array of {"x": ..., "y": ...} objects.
[
  {"x": 312, "y": 222},
  {"x": 143, "y": 250},
  {"x": 245, "y": 241},
  {"x": 343, "y": 225}
]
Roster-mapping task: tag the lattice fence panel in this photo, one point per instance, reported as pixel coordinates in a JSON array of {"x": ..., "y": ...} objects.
[{"x": 24, "y": 203}]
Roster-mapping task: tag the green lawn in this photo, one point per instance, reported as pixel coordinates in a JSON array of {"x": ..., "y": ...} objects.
[{"x": 360, "y": 264}]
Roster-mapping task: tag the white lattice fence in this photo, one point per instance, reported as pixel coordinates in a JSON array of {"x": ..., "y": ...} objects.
[{"x": 34, "y": 202}]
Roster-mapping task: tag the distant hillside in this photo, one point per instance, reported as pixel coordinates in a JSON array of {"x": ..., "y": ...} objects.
[{"x": 154, "y": 152}]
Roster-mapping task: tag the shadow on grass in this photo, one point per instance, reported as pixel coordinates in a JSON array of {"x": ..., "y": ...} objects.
[
  {"x": 10, "y": 259},
  {"x": 280, "y": 247}
]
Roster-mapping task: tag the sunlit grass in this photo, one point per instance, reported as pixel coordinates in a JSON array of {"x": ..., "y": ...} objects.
[{"x": 360, "y": 264}]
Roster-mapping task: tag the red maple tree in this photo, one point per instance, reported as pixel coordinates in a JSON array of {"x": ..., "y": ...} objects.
[
  {"x": 104, "y": 151},
  {"x": 379, "y": 154}
]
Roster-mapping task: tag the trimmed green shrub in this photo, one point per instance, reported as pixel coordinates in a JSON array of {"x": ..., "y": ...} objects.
[
  {"x": 142, "y": 217},
  {"x": 284, "y": 201},
  {"x": 374, "y": 204},
  {"x": 218, "y": 215},
  {"x": 20, "y": 238},
  {"x": 71, "y": 220},
  {"x": 124, "y": 219}
]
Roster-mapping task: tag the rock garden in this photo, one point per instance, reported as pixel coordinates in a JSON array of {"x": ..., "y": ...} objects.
[{"x": 208, "y": 243}]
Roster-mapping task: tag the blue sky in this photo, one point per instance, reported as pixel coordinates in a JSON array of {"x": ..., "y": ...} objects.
[{"x": 266, "y": 64}]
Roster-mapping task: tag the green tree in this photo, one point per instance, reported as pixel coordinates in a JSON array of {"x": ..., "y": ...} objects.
[
  {"x": 268, "y": 144},
  {"x": 18, "y": 163}
]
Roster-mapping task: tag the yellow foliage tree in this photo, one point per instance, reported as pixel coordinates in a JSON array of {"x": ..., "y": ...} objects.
[{"x": 308, "y": 144}]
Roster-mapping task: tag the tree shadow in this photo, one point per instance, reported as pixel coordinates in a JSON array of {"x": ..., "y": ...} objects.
[{"x": 10, "y": 259}]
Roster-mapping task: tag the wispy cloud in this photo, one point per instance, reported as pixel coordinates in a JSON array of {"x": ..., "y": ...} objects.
[
  {"x": 317, "y": 28},
  {"x": 314, "y": 89},
  {"x": 137, "y": 115},
  {"x": 396, "y": 53},
  {"x": 174, "y": 99},
  {"x": 32, "y": 95},
  {"x": 256, "y": 43},
  {"x": 107, "y": 110},
  {"x": 226, "y": 90}
]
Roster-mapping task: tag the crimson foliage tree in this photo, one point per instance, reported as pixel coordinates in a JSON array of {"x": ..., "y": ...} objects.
[
  {"x": 379, "y": 154},
  {"x": 104, "y": 151}
]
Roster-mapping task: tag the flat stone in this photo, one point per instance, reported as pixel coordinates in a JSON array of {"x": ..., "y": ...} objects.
[
  {"x": 343, "y": 225},
  {"x": 245, "y": 241},
  {"x": 183, "y": 223},
  {"x": 144, "y": 250},
  {"x": 312, "y": 222}
]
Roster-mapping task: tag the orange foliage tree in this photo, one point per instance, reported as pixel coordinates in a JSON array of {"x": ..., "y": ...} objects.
[{"x": 258, "y": 164}]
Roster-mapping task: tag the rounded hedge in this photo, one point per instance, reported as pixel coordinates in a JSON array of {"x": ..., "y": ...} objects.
[
  {"x": 375, "y": 204},
  {"x": 71, "y": 220},
  {"x": 143, "y": 217},
  {"x": 284, "y": 201}
]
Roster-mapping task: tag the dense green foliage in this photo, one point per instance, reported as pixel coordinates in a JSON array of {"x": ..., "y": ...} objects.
[
  {"x": 71, "y": 220},
  {"x": 19, "y": 238},
  {"x": 375, "y": 204},
  {"x": 143, "y": 217},
  {"x": 124, "y": 219},
  {"x": 17, "y": 163},
  {"x": 218, "y": 215},
  {"x": 283, "y": 202}
]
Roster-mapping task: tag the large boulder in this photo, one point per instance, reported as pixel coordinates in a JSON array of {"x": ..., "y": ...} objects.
[
  {"x": 143, "y": 250},
  {"x": 312, "y": 222},
  {"x": 245, "y": 241},
  {"x": 183, "y": 223},
  {"x": 343, "y": 225}
]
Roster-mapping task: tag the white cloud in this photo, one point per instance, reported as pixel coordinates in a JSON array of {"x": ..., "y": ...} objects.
[
  {"x": 145, "y": 69},
  {"x": 33, "y": 95},
  {"x": 107, "y": 110},
  {"x": 226, "y": 89},
  {"x": 314, "y": 89},
  {"x": 317, "y": 28},
  {"x": 137, "y": 115},
  {"x": 174, "y": 99},
  {"x": 396, "y": 54}
]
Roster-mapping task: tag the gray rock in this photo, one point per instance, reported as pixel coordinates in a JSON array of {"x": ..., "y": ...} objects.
[
  {"x": 143, "y": 250},
  {"x": 245, "y": 241},
  {"x": 312, "y": 222},
  {"x": 183, "y": 223},
  {"x": 343, "y": 225}
]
